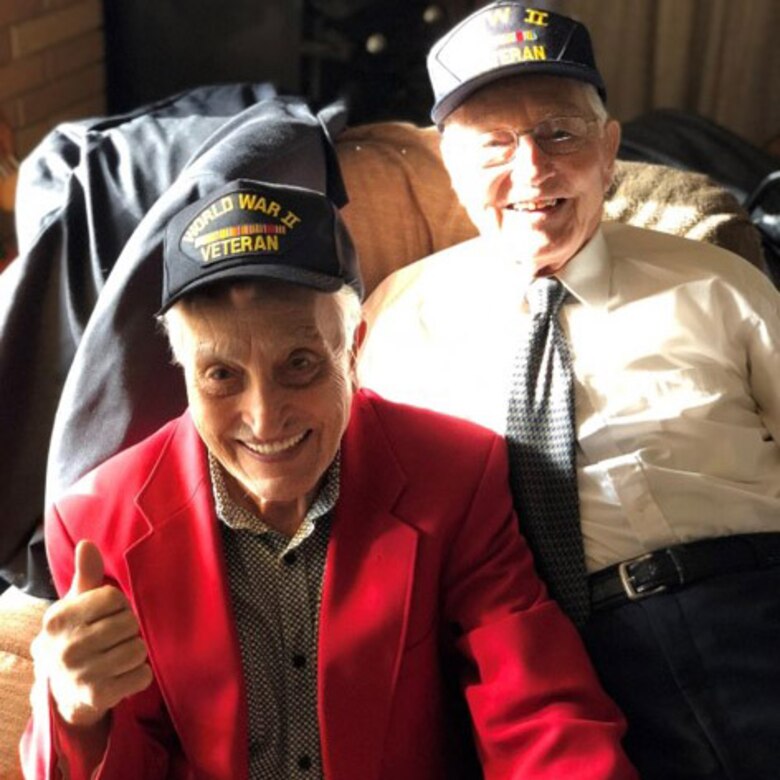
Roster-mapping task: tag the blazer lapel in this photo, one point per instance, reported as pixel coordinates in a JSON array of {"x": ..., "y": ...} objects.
[
  {"x": 179, "y": 586},
  {"x": 366, "y": 595}
]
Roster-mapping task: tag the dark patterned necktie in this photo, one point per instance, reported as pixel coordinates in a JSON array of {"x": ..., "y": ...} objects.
[{"x": 540, "y": 437}]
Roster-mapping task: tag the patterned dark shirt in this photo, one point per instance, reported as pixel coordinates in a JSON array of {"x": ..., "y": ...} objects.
[{"x": 276, "y": 588}]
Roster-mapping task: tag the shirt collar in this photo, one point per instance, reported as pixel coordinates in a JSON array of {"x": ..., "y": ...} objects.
[
  {"x": 239, "y": 518},
  {"x": 587, "y": 275}
]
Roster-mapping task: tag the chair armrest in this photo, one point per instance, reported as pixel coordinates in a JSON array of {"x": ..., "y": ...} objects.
[{"x": 20, "y": 620}]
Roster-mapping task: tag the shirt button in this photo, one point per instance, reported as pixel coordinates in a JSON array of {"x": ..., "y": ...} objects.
[
  {"x": 255, "y": 747},
  {"x": 290, "y": 558},
  {"x": 304, "y": 763},
  {"x": 299, "y": 660}
]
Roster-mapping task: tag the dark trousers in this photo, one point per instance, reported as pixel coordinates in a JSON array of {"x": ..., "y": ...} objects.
[{"x": 697, "y": 674}]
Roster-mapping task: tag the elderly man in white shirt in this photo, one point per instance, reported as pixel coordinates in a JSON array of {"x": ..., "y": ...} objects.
[{"x": 676, "y": 369}]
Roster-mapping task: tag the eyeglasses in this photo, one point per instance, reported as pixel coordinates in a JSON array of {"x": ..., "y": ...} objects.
[{"x": 555, "y": 136}]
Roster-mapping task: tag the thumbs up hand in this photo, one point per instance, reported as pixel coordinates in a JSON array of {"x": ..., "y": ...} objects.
[
  {"x": 89, "y": 649},
  {"x": 88, "y": 570}
]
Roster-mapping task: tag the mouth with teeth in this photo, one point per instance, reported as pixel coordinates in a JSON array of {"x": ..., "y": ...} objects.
[
  {"x": 278, "y": 448},
  {"x": 542, "y": 204}
]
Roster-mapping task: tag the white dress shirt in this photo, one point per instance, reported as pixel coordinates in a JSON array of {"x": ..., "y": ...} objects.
[{"x": 676, "y": 350}]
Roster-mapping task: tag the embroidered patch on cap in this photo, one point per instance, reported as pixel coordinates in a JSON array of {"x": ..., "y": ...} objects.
[
  {"x": 241, "y": 223},
  {"x": 250, "y": 229}
]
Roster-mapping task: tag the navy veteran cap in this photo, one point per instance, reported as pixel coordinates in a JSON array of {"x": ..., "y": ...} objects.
[
  {"x": 503, "y": 39},
  {"x": 249, "y": 229}
]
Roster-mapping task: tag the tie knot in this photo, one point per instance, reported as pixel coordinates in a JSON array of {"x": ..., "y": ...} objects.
[{"x": 545, "y": 296}]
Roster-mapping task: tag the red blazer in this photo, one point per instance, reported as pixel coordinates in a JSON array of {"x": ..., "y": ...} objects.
[{"x": 424, "y": 555}]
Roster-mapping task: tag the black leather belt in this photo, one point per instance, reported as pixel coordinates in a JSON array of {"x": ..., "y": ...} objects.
[{"x": 675, "y": 567}]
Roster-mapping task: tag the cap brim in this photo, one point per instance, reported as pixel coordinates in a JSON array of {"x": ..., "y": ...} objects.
[{"x": 283, "y": 273}]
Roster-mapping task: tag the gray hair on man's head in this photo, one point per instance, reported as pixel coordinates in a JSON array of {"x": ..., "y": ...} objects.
[
  {"x": 347, "y": 300},
  {"x": 595, "y": 102}
]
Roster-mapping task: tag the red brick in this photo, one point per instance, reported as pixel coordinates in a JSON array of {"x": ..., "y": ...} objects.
[
  {"x": 13, "y": 113},
  {"x": 19, "y": 10},
  {"x": 95, "y": 105},
  {"x": 56, "y": 96},
  {"x": 55, "y": 4},
  {"x": 54, "y": 27},
  {"x": 21, "y": 76},
  {"x": 27, "y": 138},
  {"x": 9, "y": 110},
  {"x": 5, "y": 46},
  {"x": 74, "y": 54}
]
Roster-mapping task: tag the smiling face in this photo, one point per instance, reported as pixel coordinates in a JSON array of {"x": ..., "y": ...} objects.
[
  {"x": 269, "y": 377},
  {"x": 542, "y": 207}
]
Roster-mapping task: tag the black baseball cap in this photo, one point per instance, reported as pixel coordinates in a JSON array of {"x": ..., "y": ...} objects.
[
  {"x": 503, "y": 39},
  {"x": 249, "y": 229}
]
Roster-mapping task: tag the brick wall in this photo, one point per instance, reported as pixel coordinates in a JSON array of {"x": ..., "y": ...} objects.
[
  {"x": 51, "y": 70},
  {"x": 51, "y": 65}
]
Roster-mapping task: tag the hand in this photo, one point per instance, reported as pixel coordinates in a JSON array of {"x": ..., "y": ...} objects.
[{"x": 89, "y": 649}]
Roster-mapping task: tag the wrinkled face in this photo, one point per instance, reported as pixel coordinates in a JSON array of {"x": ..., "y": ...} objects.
[
  {"x": 542, "y": 207},
  {"x": 269, "y": 382}
]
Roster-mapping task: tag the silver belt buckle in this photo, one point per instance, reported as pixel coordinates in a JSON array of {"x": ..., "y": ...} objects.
[{"x": 627, "y": 583}]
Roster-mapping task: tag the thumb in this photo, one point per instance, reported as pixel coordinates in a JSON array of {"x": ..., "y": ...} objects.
[{"x": 88, "y": 569}]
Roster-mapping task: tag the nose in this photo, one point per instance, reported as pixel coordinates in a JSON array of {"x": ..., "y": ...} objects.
[
  {"x": 530, "y": 164},
  {"x": 264, "y": 409}
]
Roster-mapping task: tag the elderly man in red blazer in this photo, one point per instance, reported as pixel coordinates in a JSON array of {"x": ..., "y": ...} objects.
[{"x": 287, "y": 580}]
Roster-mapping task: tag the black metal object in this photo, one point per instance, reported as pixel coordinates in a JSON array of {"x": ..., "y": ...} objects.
[
  {"x": 373, "y": 54},
  {"x": 370, "y": 51},
  {"x": 156, "y": 48}
]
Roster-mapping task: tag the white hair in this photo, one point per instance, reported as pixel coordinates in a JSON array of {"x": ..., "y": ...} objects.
[
  {"x": 346, "y": 297},
  {"x": 351, "y": 312},
  {"x": 595, "y": 102}
]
